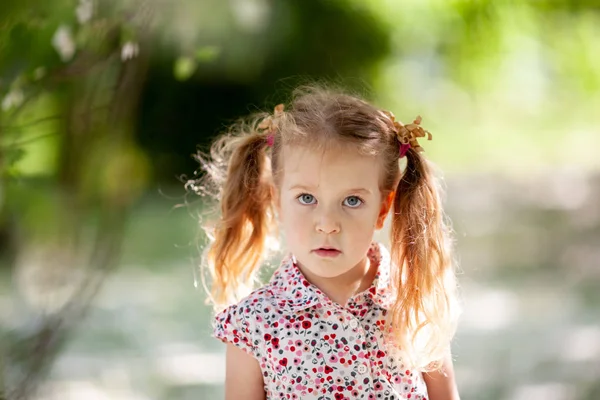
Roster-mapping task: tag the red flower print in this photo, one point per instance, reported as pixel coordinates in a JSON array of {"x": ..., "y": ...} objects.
[{"x": 303, "y": 348}]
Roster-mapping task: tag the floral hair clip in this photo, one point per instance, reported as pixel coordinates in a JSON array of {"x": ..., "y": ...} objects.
[
  {"x": 268, "y": 124},
  {"x": 408, "y": 134}
]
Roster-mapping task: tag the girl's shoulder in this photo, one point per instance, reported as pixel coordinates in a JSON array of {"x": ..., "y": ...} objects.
[
  {"x": 265, "y": 301},
  {"x": 281, "y": 296},
  {"x": 281, "y": 299},
  {"x": 255, "y": 301},
  {"x": 245, "y": 323}
]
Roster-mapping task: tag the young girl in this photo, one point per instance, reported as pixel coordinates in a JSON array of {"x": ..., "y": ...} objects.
[{"x": 341, "y": 318}]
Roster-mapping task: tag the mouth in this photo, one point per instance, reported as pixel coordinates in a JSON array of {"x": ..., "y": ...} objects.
[{"x": 327, "y": 251}]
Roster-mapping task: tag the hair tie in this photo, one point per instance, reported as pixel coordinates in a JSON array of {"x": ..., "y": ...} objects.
[
  {"x": 407, "y": 134},
  {"x": 403, "y": 149},
  {"x": 268, "y": 124},
  {"x": 270, "y": 140}
]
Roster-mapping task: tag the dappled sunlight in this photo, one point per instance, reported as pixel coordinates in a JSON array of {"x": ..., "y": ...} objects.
[
  {"x": 88, "y": 390},
  {"x": 489, "y": 309},
  {"x": 544, "y": 391},
  {"x": 191, "y": 368},
  {"x": 47, "y": 277},
  {"x": 582, "y": 344}
]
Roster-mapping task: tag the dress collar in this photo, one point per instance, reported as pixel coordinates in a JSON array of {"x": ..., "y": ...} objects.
[{"x": 299, "y": 294}]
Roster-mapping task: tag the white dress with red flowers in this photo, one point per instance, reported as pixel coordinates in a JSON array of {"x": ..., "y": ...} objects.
[{"x": 309, "y": 347}]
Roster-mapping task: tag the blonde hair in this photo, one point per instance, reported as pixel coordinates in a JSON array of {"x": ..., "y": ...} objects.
[{"x": 246, "y": 171}]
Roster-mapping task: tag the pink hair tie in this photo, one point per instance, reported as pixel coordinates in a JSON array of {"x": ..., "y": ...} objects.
[
  {"x": 404, "y": 148},
  {"x": 269, "y": 125},
  {"x": 270, "y": 140}
]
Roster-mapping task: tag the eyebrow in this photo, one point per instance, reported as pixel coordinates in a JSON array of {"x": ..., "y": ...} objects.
[{"x": 310, "y": 188}]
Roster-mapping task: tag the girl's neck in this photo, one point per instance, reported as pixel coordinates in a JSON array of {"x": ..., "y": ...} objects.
[{"x": 342, "y": 287}]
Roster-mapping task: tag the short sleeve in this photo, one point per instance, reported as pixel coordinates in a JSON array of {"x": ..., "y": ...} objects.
[{"x": 231, "y": 326}]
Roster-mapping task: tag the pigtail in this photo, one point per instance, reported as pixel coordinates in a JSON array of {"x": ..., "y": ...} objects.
[
  {"x": 423, "y": 318},
  {"x": 239, "y": 167}
]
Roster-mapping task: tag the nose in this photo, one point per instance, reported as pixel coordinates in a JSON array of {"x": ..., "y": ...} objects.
[{"x": 328, "y": 223}]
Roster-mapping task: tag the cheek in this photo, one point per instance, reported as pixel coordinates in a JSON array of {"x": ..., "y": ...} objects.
[
  {"x": 365, "y": 219},
  {"x": 295, "y": 222},
  {"x": 362, "y": 226}
]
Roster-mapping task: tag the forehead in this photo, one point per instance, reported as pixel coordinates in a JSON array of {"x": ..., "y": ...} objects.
[{"x": 333, "y": 168}]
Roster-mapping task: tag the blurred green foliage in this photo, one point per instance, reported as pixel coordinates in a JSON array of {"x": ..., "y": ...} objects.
[{"x": 503, "y": 77}]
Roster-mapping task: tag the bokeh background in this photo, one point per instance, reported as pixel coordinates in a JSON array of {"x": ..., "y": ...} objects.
[{"x": 103, "y": 103}]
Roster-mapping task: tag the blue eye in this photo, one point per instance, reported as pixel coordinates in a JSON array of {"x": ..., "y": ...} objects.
[
  {"x": 306, "y": 199},
  {"x": 353, "y": 201}
]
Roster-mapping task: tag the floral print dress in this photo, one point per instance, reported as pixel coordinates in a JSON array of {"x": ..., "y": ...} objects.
[{"x": 310, "y": 347}]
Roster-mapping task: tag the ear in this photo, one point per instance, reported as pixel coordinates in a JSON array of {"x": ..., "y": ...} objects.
[{"x": 386, "y": 204}]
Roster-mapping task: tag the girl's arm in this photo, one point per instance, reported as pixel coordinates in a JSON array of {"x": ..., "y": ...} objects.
[
  {"x": 243, "y": 378},
  {"x": 441, "y": 384}
]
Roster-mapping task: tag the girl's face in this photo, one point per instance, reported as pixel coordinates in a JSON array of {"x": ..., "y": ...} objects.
[{"x": 330, "y": 205}]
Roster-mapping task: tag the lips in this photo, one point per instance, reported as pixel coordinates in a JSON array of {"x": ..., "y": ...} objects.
[{"x": 327, "y": 252}]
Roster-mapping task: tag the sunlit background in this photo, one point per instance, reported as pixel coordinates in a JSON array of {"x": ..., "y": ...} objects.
[{"x": 103, "y": 102}]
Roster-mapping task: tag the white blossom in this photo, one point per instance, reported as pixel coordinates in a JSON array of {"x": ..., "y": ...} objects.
[
  {"x": 14, "y": 98},
  {"x": 63, "y": 43},
  {"x": 251, "y": 15},
  {"x": 129, "y": 51},
  {"x": 84, "y": 11}
]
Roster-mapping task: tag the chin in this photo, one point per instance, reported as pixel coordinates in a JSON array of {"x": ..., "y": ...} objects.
[{"x": 328, "y": 268}]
